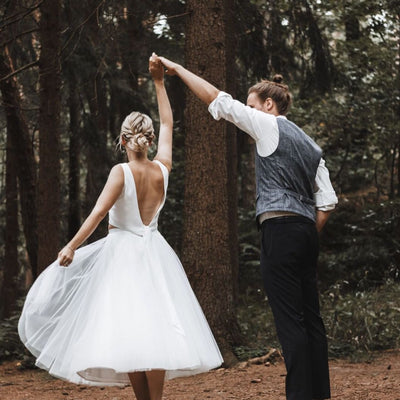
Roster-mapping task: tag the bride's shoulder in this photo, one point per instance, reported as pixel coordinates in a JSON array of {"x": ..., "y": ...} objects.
[
  {"x": 165, "y": 167},
  {"x": 117, "y": 171}
]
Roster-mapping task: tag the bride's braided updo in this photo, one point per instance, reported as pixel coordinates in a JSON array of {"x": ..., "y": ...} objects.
[{"x": 137, "y": 131}]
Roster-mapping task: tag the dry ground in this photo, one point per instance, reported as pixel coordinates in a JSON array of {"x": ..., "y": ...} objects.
[{"x": 378, "y": 379}]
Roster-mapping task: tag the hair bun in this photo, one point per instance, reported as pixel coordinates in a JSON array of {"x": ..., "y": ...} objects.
[
  {"x": 137, "y": 131},
  {"x": 278, "y": 78}
]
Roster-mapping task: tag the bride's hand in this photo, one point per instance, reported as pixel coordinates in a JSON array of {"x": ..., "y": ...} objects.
[
  {"x": 65, "y": 256},
  {"x": 155, "y": 68},
  {"x": 171, "y": 67}
]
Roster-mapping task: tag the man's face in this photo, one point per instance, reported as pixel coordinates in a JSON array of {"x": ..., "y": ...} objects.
[{"x": 254, "y": 101}]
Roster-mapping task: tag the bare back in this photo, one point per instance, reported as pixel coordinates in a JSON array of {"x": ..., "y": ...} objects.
[{"x": 149, "y": 184}]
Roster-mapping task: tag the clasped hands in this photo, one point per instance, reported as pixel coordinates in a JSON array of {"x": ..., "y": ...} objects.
[{"x": 157, "y": 65}]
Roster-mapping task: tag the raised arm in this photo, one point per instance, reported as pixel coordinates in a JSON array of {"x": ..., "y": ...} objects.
[
  {"x": 262, "y": 127},
  {"x": 164, "y": 149},
  {"x": 200, "y": 87},
  {"x": 106, "y": 200}
]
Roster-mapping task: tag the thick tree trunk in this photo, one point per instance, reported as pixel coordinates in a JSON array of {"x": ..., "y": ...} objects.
[
  {"x": 207, "y": 248},
  {"x": 48, "y": 200},
  {"x": 96, "y": 139},
  {"x": 248, "y": 173},
  {"x": 323, "y": 71},
  {"x": 26, "y": 167},
  {"x": 74, "y": 205},
  {"x": 97, "y": 157},
  {"x": 232, "y": 152},
  {"x": 10, "y": 268}
]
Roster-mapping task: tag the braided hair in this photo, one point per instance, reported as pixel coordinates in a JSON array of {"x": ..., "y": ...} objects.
[{"x": 137, "y": 131}]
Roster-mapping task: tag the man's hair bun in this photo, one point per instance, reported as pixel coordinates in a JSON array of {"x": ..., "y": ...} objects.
[{"x": 278, "y": 78}]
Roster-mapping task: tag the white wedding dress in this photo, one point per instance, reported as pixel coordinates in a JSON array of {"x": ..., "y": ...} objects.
[{"x": 124, "y": 304}]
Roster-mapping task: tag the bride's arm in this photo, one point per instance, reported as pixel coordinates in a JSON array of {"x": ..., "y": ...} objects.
[
  {"x": 107, "y": 198},
  {"x": 164, "y": 150}
]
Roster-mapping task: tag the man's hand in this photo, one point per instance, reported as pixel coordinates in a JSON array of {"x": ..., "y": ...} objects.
[
  {"x": 155, "y": 68},
  {"x": 171, "y": 67}
]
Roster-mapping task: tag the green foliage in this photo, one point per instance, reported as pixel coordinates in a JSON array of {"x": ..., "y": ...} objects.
[
  {"x": 362, "y": 321},
  {"x": 359, "y": 277},
  {"x": 257, "y": 325},
  {"x": 360, "y": 245},
  {"x": 10, "y": 344},
  {"x": 356, "y": 322}
]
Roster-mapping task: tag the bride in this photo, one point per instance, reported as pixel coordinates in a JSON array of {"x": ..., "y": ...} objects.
[{"x": 123, "y": 311}]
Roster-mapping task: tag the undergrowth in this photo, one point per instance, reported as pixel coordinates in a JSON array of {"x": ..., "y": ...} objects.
[{"x": 356, "y": 322}]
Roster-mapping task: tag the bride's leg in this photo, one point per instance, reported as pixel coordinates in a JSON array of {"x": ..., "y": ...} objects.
[
  {"x": 140, "y": 385},
  {"x": 155, "y": 381}
]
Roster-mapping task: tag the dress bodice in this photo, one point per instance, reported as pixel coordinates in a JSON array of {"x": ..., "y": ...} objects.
[{"x": 125, "y": 213}]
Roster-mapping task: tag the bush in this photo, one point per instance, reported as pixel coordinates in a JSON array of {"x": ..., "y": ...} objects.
[
  {"x": 10, "y": 344},
  {"x": 356, "y": 322},
  {"x": 362, "y": 321}
]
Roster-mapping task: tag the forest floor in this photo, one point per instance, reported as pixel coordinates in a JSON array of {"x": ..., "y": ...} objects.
[{"x": 375, "y": 379}]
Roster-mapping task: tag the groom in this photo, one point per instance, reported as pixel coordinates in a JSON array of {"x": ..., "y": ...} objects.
[{"x": 294, "y": 199}]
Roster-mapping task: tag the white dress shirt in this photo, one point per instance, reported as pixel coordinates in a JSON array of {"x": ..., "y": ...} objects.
[{"x": 263, "y": 128}]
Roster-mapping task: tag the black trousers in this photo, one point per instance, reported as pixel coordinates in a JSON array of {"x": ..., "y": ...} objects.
[{"x": 289, "y": 254}]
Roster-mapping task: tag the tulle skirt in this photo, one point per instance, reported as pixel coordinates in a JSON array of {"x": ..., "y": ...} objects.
[{"x": 123, "y": 305}]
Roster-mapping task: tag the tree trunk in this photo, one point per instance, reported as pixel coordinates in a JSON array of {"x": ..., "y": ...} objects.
[
  {"x": 97, "y": 157},
  {"x": 10, "y": 267},
  {"x": 74, "y": 205},
  {"x": 207, "y": 247},
  {"x": 25, "y": 166},
  {"x": 248, "y": 173},
  {"x": 48, "y": 200},
  {"x": 96, "y": 141},
  {"x": 232, "y": 153},
  {"x": 323, "y": 72}
]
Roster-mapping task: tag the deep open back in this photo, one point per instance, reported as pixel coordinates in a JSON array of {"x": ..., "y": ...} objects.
[{"x": 160, "y": 203}]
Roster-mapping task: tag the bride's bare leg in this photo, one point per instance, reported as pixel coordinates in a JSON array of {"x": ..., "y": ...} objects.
[
  {"x": 140, "y": 385},
  {"x": 155, "y": 381}
]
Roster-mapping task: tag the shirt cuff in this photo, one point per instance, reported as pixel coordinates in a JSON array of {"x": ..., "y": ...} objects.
[
  {"x": 325, "y": 201},
  {"x": 213, "y": 106}
]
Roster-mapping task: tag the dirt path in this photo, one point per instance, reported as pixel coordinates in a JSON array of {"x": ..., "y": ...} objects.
[{"x": 378, "y": 379}]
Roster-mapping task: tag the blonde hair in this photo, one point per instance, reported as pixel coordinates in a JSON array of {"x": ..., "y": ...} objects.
[
  {"x": 276, "y": 90},
  {"x": 137, "y": 131}
]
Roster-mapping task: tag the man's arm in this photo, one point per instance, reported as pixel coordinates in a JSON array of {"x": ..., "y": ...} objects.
[
  {"x": 322, "y": 217},
  {"x": 325, "y": 196},
  {"x": 262, "y": 127},
  {"x": 200, "y": 87}
]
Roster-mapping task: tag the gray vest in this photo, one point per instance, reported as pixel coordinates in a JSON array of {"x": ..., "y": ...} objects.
[{"x": 285, "y": 179}]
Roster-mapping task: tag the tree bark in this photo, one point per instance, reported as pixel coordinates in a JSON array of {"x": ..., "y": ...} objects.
[
  {"x": 96, "y": 139},
  {"x": 232, "y": 153},
  {"x": 248, "y": 172},
  {"x": 18, "y": 132},
  {"x": 208, "y": 216},
  {"x": 323, "y": 72},
  {"x": 10, "y": 267},
  {"x": 74, "y": 205},
  {"x": 48, "y": 200},
  {"x": 97, "y": 157}
]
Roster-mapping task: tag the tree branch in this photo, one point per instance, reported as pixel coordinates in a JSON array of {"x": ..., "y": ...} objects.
[
  {"x": 20, "y": 15},
  {"x": 17, "y": 71},
  {"x": 7, "y": 42},
  {"x": 81, "y": 24}
]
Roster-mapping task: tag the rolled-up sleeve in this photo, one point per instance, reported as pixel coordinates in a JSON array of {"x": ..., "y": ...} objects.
[
  {"x": 262, "y": 127},
  {"x": 325, "y": 196}
]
